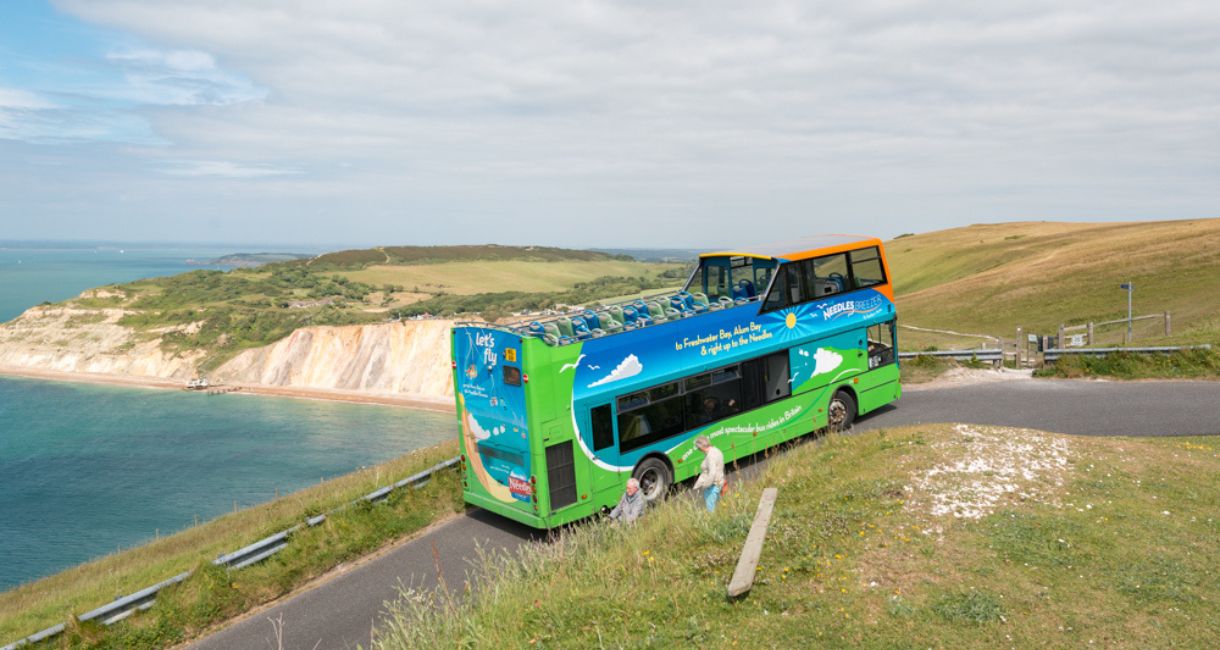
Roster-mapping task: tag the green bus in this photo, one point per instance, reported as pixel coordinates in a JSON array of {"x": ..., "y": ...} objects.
[{"x": 758, "y": 348}]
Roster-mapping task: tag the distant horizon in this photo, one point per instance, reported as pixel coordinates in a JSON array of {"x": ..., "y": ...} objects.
[{"x": 300, "y": 247}]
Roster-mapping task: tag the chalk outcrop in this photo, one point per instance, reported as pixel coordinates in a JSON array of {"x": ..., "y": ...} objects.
[
  {"x": 75, "y": 340},
  {"x": 407, "y": 359}
]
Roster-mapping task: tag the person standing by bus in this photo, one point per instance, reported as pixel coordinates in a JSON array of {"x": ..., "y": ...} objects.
[{"x": 711, "y": 472}]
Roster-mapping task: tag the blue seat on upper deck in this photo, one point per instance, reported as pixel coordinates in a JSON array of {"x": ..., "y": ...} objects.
[
  {"x": 581, "y": 329},
  {"x": 744, "y": 290}
]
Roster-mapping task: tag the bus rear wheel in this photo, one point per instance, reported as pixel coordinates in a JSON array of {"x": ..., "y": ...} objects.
[
  {"x": 841, "y": 412},
  {"x": 654, "y": 477}
]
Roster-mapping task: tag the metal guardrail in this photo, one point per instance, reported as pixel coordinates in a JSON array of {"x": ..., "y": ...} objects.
[
  {"x": 994, "y": 356},
  {"x": 1055, "y": 354},
  {"x": 121, "y": 608}
]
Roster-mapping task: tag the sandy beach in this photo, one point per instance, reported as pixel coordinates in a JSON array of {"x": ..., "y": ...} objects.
[{"x": 439, "y": 406}]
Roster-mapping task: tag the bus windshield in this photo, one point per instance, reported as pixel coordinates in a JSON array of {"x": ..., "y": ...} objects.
[{"x": 736, "y": 277}]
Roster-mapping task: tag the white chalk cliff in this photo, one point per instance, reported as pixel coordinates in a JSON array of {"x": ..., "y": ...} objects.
[{"x": 408, "y": 359}]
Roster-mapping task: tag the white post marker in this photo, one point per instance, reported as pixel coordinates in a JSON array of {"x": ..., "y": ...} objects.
[{"x": 743, "y": 577}]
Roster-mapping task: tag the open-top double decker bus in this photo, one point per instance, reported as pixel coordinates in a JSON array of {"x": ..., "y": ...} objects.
[{"x": 759, "y": 347}]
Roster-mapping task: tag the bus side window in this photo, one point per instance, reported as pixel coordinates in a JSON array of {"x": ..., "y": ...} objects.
[
  {"x": 830, "y": 275},
  {"x": 776, "y": 379},
  {"x": 880, "y": 345},
  {"x": 603, "y": 427},
  {"x": 866, "y": 269},
  {"x": 786, "y": 289}
]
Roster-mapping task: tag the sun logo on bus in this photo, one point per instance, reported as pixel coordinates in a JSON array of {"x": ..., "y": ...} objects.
[{"x": 790, "y": 320}]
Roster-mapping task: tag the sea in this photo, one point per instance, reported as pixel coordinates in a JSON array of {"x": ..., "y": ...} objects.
[{"x": 87, "y": 469}]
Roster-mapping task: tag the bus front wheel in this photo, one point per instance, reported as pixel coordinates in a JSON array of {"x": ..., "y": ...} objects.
[
  {"x": 841, "y": 412},
  {"x": 654, "y": 477}
]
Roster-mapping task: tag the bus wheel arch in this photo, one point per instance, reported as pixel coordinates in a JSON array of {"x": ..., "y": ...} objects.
[
  {"x": 842, "y": 409},
  {"x": 655, "y": 475}
]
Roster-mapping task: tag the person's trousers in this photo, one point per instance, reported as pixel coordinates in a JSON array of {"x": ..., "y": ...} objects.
[{"x": 711, "y": 495}]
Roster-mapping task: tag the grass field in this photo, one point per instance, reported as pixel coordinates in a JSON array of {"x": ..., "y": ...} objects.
[
  {"x": 989, "y": 279},
  {"x": 941, "y": 536},
  {"x": 213, "y": 594},
  {"x": 487, "y": 277}
]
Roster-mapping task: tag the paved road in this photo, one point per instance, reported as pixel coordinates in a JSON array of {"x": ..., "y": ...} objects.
[{"x": 341, "y": 612}]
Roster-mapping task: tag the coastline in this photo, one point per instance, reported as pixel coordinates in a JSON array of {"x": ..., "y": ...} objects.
[{"x": 330, "y": 394}]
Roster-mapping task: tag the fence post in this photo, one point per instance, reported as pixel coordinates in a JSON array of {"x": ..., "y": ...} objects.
[
  {"x": 1168, "y": 330},
  {"x": 1090, "y": 342},
  {"x": 1059, "y": 341},
  {"x": 743, "y": 576}
]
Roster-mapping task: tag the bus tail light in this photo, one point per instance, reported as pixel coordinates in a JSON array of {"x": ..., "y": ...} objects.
[
  {"x": 525, "y": 378},
  {"x": 453, "y": 364}
]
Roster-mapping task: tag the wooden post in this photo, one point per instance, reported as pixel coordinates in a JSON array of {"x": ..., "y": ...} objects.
[
  {"x": 1168, "y": 329},
  {"x": 743, "y": 577},
  {"x": 1059, "y": 343},
  {"x": 1089, "y": 342}
]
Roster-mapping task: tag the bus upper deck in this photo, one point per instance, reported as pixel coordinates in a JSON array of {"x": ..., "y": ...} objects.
[{"x": 802, "y": 271}]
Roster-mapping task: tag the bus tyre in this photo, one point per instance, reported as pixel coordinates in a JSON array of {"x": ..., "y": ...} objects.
[
  {"x": 841, "y": 412},
  {"x": 654, "y": 477}
]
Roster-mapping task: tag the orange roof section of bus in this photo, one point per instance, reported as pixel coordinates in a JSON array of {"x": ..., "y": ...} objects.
[{"x": 816, "y": 246}]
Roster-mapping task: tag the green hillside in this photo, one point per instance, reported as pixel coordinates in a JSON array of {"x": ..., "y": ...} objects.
[
  {"x": 941, "y": 536},
  {"x": 990, "y": 279},
  {"x": 222, "y": 313}
]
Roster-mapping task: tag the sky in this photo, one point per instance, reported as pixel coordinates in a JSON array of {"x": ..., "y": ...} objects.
[{"x": 598, "y": 124}]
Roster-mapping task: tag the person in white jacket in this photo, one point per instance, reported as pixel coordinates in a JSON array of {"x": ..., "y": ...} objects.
[{"x": 711, "y": 472}]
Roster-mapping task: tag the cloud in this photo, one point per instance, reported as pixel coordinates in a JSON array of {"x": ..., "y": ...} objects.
[
  {"x": 698, "y": 123},
  {"x": 224, "y": 169},
  {"x": 15, "y": 98},
  {"x": 628, "y": 367},
  {"x": 177, "y": 78}
]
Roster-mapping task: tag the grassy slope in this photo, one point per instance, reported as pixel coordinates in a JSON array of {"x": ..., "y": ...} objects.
[
  {"x": 42, "y": 603},
  {"x": 494, "y": 276},
  {"x": 1121, "y": 553},
  {"x": 988, "y": 279},
  {"x": 223, "y": 313}
]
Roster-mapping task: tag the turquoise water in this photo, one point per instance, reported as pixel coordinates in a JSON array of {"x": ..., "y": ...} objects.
[
  {"x": 33, "y": 272},
  {"x": 87, "y": 469}
]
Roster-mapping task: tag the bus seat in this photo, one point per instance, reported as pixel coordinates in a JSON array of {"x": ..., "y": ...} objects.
[
  {"x": 580, "y": 328},
  {"x": 673, "y": 314},
  {"x": 658, "y": 313},
  {"x": 641, "y": 307},
  {"x": 553, "y": 336},
  {"x": 591, "y": 319},
  {"x": 679, "y": 305},
  {"x": 609, "y": 324},
  {"x": 744, "y": 289},
  {"x": 565, "y": 326},
  {"x": 701, "y": 301},
  {"x": 536, "y": 329},
  {"x": 726, "y": 302}
]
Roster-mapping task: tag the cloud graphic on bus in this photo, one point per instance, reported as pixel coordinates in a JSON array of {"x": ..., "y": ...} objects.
[
  {"x": 478, "y": 431},
  {"x": 628, "y": 367},
  {"x": 825, "y": 360}
]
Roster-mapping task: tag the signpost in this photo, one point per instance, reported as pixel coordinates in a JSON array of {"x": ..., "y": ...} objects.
[{"x": 1129, "y": 287}]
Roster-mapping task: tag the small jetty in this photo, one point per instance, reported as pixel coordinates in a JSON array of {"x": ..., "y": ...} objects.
[{"x": 201, "y": 384}]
